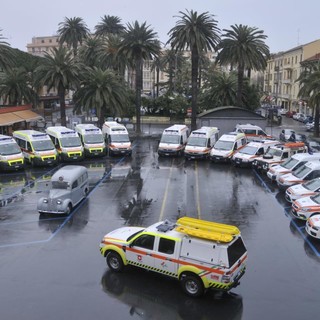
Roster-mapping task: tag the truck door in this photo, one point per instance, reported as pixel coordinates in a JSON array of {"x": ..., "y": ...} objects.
[{"x": 165, "y": 256}]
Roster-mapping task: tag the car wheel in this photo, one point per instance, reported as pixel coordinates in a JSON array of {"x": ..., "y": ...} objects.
[
  {"x": 192, "y": 285},
  {"x": 69, "y": 209},
  {"x": 114, "y": 261}
]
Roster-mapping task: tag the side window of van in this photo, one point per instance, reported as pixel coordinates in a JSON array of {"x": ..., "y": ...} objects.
[
  {"x": 243, "y": 141},
  {"x": 261, "y": 133},
  {"x": 166, "y": 246},
  {"x": 74, "y": 184},
  {"x": 29, "y": 146},
  {"x": 285, "y": 155},
  {"x": 235, "y": 146},
  {"x": 260, "y": 152}
]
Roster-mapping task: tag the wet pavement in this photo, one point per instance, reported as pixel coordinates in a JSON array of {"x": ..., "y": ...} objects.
[{"x": 51, "y": 267}]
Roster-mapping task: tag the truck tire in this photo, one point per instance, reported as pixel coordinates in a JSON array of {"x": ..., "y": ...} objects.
[
  {"x": 192, "y": 285},
  {"x": 69, "y": 209},
  {"x": 114, "y": 261}
]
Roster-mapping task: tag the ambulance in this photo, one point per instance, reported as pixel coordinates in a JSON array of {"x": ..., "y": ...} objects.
[
  {"x": 252, "y": 132},
  {"x": 67, "y": 143},
  {"x": 92, "y": 139},
  {"x": 227, "y": 145},
  {"x": 173, "y": 140},
  {"x": 200, "y": 254},
  {"x": 37, "y": 147},
  {"x": 117, "y": 138},
  {"x": 200, "y": 142},
  {"x": 245, "y": 156},
  {"x": 11, "y": 157}
]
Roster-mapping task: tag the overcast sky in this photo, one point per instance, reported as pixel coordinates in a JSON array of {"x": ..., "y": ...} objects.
[{"x": 285, "y": 22}]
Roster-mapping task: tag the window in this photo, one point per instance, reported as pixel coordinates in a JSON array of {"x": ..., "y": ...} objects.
[
  {"x": 145, "y": 241},
  {"x": 166, "y": 246},
  {"x": 29, "y": 146},
  {"x": 75, "y": 184},
  {"x": 236, "y": 251}
]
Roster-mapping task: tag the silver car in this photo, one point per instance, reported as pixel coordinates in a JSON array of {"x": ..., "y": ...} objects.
[{"x": 69, "y": 185}]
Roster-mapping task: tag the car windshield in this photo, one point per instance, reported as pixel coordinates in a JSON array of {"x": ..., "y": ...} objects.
[
  {"x": 70, "y": 142},
  {"x": 42, "y": 145},
  {"x": 169, "y": 138},
  {"x": 289, "y": 164},
  {"x": 224, "y": 145},
  {"x": 274, "y": 152},
  {"x": 60, "y": 185},
  {"x": 302, "y": 172},
  {"x": 249, "y": 150},
  {"x": 119, "y": 138},
  {"x": 197, "y": 142},
  {"x": 9, "y": 148},
  {"x": 316, "y": 198},
  {"x": 93, "y": 138},
  {"x": 312, "y": 184}
]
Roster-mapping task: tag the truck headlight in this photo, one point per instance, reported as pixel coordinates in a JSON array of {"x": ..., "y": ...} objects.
[
  {"x": 45, "y": 200},
  {"x": 305, "y": 209},
  {"x": 59, "y": 201}
]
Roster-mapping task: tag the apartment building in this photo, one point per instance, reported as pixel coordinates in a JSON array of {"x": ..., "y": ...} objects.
[
  {"x": 280, "y": 77},
  {"x": 40, "y": 45}
]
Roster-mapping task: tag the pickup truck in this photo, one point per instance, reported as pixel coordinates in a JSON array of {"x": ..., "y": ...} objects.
[{"x": 200, "y": 254}]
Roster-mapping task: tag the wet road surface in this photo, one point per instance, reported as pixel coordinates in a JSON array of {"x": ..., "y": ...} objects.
[{"x": 51, "y": 267}]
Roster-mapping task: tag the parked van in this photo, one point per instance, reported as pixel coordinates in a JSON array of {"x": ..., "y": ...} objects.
[
  {"x": 200, "y": 142},
  {"x": 227, "y": 145},
  {"x": 69, "y": 185},
  {"x": 37, "y": 147},
  {"x": 291, "y": 164},
  {"x": 173, "y": 140},
  {"x": 117, "y": 138},
  {"x": 67, "y": 143},
  {"x": 245, "y": 156},
  {"x": 252, "y": 132},
  {"x": 11, "y": 157},
  {"x": 306, "y": 189},
  {"x": 92, "y": 139},
  {"x": 308, "y": 171}
]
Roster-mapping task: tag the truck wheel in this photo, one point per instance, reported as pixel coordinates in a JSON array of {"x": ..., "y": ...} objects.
[
  {"x": 192, "y": 285},
  {"x": 114, "y": 261}
]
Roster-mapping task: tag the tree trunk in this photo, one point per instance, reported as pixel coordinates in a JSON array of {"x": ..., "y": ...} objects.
[
  {"x": 62, "y": 101},
  {"x": 138, "y": 93},
  {"x": 194, "y": 87},
  {"x": 240, "y": 85},
  {"x": 316, "y": 121}
]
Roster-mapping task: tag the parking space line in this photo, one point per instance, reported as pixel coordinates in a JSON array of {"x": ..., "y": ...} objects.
[{"x": 197, "y": 190}]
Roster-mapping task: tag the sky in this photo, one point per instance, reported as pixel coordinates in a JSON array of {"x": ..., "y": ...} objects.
[{"x": 286, "y": 23}]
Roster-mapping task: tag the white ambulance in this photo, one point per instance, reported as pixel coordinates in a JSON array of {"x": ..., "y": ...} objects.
[
  {"x": 37, "y": 147},
  {"x": 92, "y": 139},
  {"x": 252, "y": 132},
  {"x": 117, "y": 138},
  {"x": 227, "y": 145},
  {"x": 67, "y": 143},
  {"x": 200, "y": 254},
  {"x": 11, "y": 157},
  {"x": 173, "y": 140},
  {"x": 246, "y": 155},
  {"x": 200, "y": 142}
]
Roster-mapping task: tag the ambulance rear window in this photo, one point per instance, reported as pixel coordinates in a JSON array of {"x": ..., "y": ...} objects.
[{"x": 236, "y": 251}]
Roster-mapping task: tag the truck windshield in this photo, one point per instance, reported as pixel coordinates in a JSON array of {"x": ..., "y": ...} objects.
[
  {"x": 223, "y": 145},
  {"x": 9, "y": 148},
  {"x": 42, "y": 145},
  {"x": 236, "y": 251},
  {"x": 197, "y": 142},
  {"x": 249, "y": 150},
  {"x": 302, "y": 172},
  {"x": 119, "y": 138},
  {"x": 168, "y": 138},
  {"x": 93, "y": 138},
  {"x": 274, "y": 152},
  {"x": 70, "y": 142},
  {"x": 312, "y": 184},
  {"x": 60, "y": 185},
  {"x": 289, "y": 164}
]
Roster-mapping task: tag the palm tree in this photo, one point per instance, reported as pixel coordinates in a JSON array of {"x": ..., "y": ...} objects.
[
  {"x": 310, "y": 89},
  {"x": 199, "y": 33},
  {"x": 59, "y": 70},
  {"x": 243, "y": 47},
  {"x": 91, "y": 51},
  {"x": 139, "y": 43},
  {"x": 73, "y": 31},
  {"x": 102, "y": 90},
  {"x": 6, "y": 54},
  {"x": 109, "y": 25}
]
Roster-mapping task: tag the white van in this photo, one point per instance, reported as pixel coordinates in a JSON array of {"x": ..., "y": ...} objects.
[
  {"x": 200, "y": 142},
  {"x": 37, "y": 147},
  {"x": 173, "y": 140},
  {"x": 92, "y": 139},
  {"x": 308, "y": 171},
  {"x": 252, "y": 132},
  {"x": 67, "y": 143},
  {"x": 306, "y": 189},
  {"x": 227, "y": 145},
  {"x": 293, "y": 163},
  {"x": 245, "y": 156},
  {"x": 11, "y": 157},
  {"x": 117, "y": 138}
]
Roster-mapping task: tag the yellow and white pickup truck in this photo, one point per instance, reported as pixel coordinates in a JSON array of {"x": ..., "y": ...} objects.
[{"x": 200, "y": 254}]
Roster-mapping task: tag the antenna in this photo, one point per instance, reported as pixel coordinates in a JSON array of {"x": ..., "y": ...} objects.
[{"x": 298, "y": 36}]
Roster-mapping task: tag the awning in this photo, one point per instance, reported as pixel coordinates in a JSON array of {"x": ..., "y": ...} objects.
[
  {"x": 27, "y": 115},
  {"x": 7, "y": 119}
]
